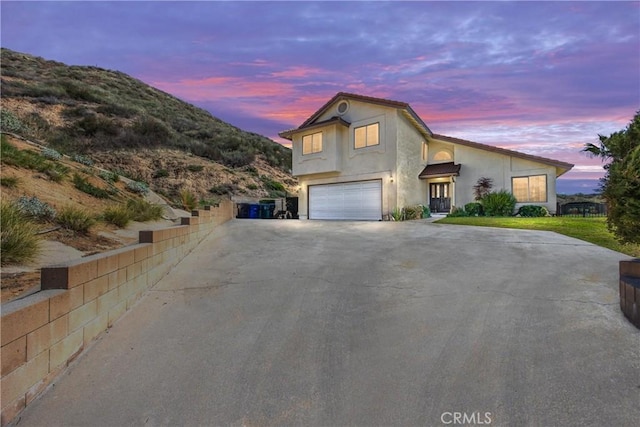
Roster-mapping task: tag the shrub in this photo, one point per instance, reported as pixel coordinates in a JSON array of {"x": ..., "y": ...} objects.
[
  {"x": 195, "y": 168},
  {"x": 426, "y": 212},
  {"x": 9, "y": 181},
  {"x": 9, "y": 122},
  {"x": 457, "y": 212},
  {"x": 142, "y": 211},
  {"x": 75, "y": 219},
  {"x": 85, "y": 186},
  {"x": 412, "y": 212},
  {"x": 500, "y": 203},
  {"x": 19, "y": 240},
  {"x": 117, "y": 215},
  {"x": 188, "y": 200},
  {"x": 35, "y": 208},
  {"x": 138, "y": 187},
  {"x": 252, "y": 186},
  {"x": 83, "y": 160},
  {"x": 474, "y": 209},
  {"x": 161, "y": 173},
  {"x": 533, "y": 211},
  {"x": 397, "y": 214},
  {"x": 51, "y": 154},
  {"x": 110, "y": 177}
]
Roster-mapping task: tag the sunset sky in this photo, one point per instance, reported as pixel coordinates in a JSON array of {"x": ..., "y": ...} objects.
[{"x": 539, "y": 77}]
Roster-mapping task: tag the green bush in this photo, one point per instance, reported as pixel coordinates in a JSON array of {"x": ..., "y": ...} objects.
[
  {"x": 85, "y": 186},
  {"x": 117, "y": 215},
  {"x": 51, "y": 154},
  {"x": 110, "y": 177},
  {"x": 457, "y": 212},
  {"x": 83, "y": 160},
  {"x": 252, "y": 186},
  {"x": 195, "y": 168},
  {"x": 397, "y": 214},
  {"x": 222, "y": 189},
  {"x": 474, "y": 209},
  {"x": 9, "y": 122},
  {"x": 35, "y": 208},
  {"x": 75, "y": 219},
  {"x": 19, "y": 240},
  {"x": 143, "y": 211},
  {"x": 138, "y": 187},
  {"x": 533, "y": 211},
  {"x": 161, "y": 173},
  {"x": 500, "y": 203}
]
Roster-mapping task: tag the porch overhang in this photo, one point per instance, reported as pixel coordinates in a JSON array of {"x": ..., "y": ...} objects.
[{"x": 440, "y": 170}]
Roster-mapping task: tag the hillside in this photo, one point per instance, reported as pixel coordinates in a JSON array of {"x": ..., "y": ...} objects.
[{"x": 125, "y": 126}]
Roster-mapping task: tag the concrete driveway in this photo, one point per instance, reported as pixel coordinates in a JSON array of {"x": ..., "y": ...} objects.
[{"x": 272, "y": 323}]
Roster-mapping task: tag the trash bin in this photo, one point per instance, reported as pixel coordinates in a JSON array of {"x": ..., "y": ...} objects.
[
  {"x": 266, "y": 210},
  {"x": 243, "y": 210},
  {"x": 254, "y": 211}
]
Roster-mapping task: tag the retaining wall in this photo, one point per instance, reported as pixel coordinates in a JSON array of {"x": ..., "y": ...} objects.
[
  {"x": 42, "y": 333},
  {"x": 630, "y": 290}
]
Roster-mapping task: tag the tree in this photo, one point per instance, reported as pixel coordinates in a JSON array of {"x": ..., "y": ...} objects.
[{"x": 621, "y": 183}]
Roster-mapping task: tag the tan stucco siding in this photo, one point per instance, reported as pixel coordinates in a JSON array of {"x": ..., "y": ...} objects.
[
  {"x": 411, "y": 190},
  {"x": 501, "y": 168},
  {"x": 328, "y": 160}
]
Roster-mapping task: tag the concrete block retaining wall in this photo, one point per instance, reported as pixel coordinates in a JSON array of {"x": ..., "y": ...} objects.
[
  {"x": 42, "y": 333},
  {"x": 630, "y": 290}
]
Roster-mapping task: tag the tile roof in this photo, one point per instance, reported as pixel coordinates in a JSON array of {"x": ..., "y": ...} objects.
[{"x": 440, "y": 169}]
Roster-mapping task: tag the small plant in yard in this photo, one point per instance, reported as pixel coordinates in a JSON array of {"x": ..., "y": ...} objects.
[
  {"x": 138, "y": 187},
  {"x": 119, "y": 216},
  {"x": 474, "y": 209},
  {"x": 533, "y": 211},
  {"x": 51, "y": 154},
  {"x": 35, "y": 208},
  {"x": 188, "y": 200},
  {"x": 500, "y": 203},
  {"x": 19, "y": 240},
  {"x": 142, "y": 211},
  {"x": 412, "y": 212},
  {"x": 457, "y": 212},
  {"x": 397, "y": 214},
  {"x": 83, "y": 160},
  {"x": 75, "y": 219},
  {"x": 9, "y": 181},
  {"x": 110, "y": 177},
  {"x": 85, "y": 186}
]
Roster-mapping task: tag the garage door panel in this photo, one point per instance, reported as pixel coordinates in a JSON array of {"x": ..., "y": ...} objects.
[{"x": 350, "y": 201}]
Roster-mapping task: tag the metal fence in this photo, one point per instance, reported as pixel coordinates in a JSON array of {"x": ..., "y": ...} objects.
[{"x": 582, "y": 209}]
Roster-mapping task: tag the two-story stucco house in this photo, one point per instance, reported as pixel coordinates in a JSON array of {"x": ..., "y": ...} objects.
[{"x": 359, "y": 157}]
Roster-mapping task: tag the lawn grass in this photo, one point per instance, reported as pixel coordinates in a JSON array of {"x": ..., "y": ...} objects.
[{"x": 593, "y": 230}]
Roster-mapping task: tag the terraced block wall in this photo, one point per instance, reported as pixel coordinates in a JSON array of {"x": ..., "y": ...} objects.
[{"x": 42, "y": 333}]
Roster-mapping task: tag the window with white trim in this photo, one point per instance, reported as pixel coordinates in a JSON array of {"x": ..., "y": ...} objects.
[
  {"x": 366, "y": 136},
  {"x": 528, "y": 189},
  {"x": 312, "y": 143}
]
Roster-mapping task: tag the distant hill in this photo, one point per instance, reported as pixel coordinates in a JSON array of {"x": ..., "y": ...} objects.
[{"x": 131, "y": 128}]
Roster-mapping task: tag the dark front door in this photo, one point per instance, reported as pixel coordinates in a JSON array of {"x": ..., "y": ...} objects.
[{"x": 440, "y": 199}]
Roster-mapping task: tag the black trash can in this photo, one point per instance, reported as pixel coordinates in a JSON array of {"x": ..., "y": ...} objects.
[{"x": 243, "y": 210}]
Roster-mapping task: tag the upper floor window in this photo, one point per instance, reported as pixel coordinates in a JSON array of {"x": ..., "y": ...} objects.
[
  {"x": 366, "y": 136},
  {"x": 530, "y": 188},
  {"x": 312, "y": 143}
]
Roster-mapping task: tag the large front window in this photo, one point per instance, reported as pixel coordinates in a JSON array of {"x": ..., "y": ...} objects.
[
  {"x": 312, "y": 143},
  {"x": 530, "y": 188},
  {"x": 366, "y": 136}
]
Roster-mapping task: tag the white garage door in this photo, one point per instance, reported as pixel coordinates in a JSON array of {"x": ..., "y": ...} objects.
[{"x": 353, "y": 200}]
